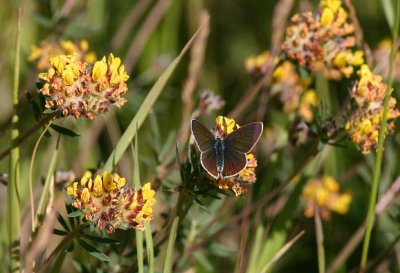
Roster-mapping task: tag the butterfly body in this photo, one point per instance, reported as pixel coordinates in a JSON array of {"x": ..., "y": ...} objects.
[
  {"x": 219, "y": 149},
  {"x": 224, "y": 158}
]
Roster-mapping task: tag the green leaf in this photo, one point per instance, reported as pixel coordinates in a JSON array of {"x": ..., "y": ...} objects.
[
  {"x": 62, "y": 222},
  {"x": 145, "y": 108},
  {"x": 170, "y": 247},
  {"x": 222, "y": 251},
  {"x": 256, "y": 249},
  {"x": 204, "y": 261},
  {"x": 77, "y": 213},
  {"x": 59, "y": 232},
  {"x": 93, "y": 251},
  {"x": 64, "y": 131},
  {"x": 104, "y": 240},
  {"x": 149, "y": 246},
  {"x": 388, "y": 9}
]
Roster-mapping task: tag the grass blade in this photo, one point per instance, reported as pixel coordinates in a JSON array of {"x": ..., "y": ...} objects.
[
  {"x": 145, "y": 108},
  {"x": 149, "y": 246},
  {"x": 45, "y": 193},
  {"x": 388, "y": 9},
  {"x": 13, "y": 202},
  {"x": 281, "y": 252},
  {"x": 170, "y": 247},
  {"x": 255, "y": 250},
  {"x": 136, "y": 183}
]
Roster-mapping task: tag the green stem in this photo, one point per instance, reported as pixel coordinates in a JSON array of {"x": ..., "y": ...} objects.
[
  {"x": 13, "y": 202},
  {"x": 320, "y": 240},
  {"x": 20, "y": 139},
  {"x": 46, "y": 188},
  {"x": 31, "y": 176},
  {"x": 379, "y": 155},
  {"x": 170, "y": 248}
]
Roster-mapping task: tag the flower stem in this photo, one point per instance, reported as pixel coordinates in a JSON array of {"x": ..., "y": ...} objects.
[
  {"x": 379, "y": 155},
  {"x": 320, "y": 240},
  {"x": 13, "y": 202}
]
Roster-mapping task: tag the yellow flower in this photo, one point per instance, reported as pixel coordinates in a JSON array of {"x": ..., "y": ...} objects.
[
  {"x": 79, "y": 51},
  {"x": 99, "y": 70},
  {"x": 68, "y": 76},
  {"x": 334, "y": 5},
  {"x": 85, "y": 196},
  {"x": 77, "y": 88},
  {"x": 84, "y": 45},
  {"x": 71, "y": 190},
  {"x": 325, "y": 193},
  {"x": 341, "y": 204},
  {"x": 57, "y": 63},
  {"x": 148, "y": 193},
  {"x": 307, "y": 102},
  {"x": 69, "y": 47},
  {"x": 35, "y": 53},
  {"x": 224, "y": 126},
  {"x": 324, "y": 41},
  {"x": 363, "y": 124},
  {"x": 110, "y": 205},
  {"x": 98, "y": 186},
  {"x": 327, "y": 17}
]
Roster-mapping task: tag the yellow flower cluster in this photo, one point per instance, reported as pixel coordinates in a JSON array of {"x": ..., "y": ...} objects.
[
  {"x": 239, "y": 183},
  {"x": 364, "y": 123},
  {"x": 287, "y": 84},
  {"x": 78, "y": 88},
  {"x": 80, "y": 51},
  {"x": 323, "y": 42},
  {"x": 255, "y": 65},
  {"x": 109, "y": 204},
  {"x": 325, "y": 193}
]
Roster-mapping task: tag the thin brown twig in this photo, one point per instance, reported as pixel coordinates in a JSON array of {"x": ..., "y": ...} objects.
[
  {"x": 281, "y": 13},
  {"x": 358, "y": 32},
  {"x": 252, "y": 92},
  {"x": 144, "y": 32},
  {"x": 196, "y": 62},
  {"x": 28, "y": 133}
]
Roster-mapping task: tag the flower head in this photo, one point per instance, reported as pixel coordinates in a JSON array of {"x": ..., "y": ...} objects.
[
  {"x": 364, "y": 123},
  {"x": 47, "y": 50},
  {"x": 109, "y": 204},
  {"x": 77, "y": 88},
  {"x": 325, "y": 193},
  {"x": 324, "y": 41},
  {"x": 287, "y": 84}
]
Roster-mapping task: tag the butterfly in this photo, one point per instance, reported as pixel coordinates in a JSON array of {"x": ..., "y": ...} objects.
[{"x": 224, "y": 158}]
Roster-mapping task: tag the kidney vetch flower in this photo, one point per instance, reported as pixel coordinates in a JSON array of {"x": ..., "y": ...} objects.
[{"x": 109, "y": 204}]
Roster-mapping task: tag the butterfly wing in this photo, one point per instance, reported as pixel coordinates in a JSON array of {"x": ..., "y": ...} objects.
[
  {"x": 209, "y": 162},
  {"x": 244, "y": 138},
  {"x": 204, "y": 138},
  {"x": 234, "y": 162}
]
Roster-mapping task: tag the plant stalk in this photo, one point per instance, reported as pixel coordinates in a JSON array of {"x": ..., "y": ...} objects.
[
  {"x": 13, "y": 202},
  {"x": 320, "y": 239},
  {"x": 379, "y": 155}
]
